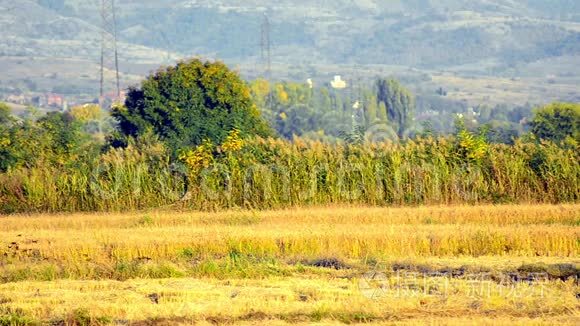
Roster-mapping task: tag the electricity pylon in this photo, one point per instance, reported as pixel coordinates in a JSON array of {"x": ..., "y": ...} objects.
[
  {"x": 109, "y": 52},
  {"x": 266, "y": 54},
  {"x": 266, "y": 47}
]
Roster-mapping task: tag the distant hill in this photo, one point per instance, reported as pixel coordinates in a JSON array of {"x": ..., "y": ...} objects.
[
  {"x": 413, "y": 32},
  {"x": 492, "y": 37}
]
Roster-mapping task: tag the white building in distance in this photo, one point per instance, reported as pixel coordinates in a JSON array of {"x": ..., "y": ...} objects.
[{"x": 338, "y": 83}]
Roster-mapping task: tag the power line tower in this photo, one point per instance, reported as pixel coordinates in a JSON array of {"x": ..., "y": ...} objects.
[
  {"x": 266, "y": 55},
  {"x": 109, "y": 53},
  {"x": 266, "y": 47}
]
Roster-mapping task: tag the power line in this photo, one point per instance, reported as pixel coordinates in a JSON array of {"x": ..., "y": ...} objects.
[{"x": 109, "y": 51}]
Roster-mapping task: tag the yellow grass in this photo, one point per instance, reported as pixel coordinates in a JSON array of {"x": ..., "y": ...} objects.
[
  {"x": 264, "y": 266},
  {"x": 189, "y": 300}
]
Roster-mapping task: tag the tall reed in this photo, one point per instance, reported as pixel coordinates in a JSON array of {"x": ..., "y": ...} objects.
[{"x": 273, "y": 173}]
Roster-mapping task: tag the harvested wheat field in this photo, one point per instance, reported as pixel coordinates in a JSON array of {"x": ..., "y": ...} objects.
[{"x": 457, "y": 265}]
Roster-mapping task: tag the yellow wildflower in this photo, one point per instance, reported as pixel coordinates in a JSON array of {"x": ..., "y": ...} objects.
[
  {"x": 233, "y": 142},
  {"x": 4, "y": 142},
  {"x": 198, "y": 158}
]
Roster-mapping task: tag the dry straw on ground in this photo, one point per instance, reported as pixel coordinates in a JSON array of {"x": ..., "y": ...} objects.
[{"x": 294, "y": 266}]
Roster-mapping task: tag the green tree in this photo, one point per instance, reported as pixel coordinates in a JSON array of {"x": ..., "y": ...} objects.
[
  {"x": 64, "y": 133},
  {"x": 5, "y": 140},
  {"x": 503, "y": 132},
  {"x": 14, "y": 141},
  {"x": 55, "y": 138},
  {"x": 260, "y": 89},
  {"x": 470, "y": 146},
  {"x": 187, "y": 104},
  {"x": 400, "y": 104},
  {"x": 32, "y": 113},
  {"x": 557, "y": 122},
  {"x": 5, "y": 114},
  {"x": 382, "y": 114},
  {"x": 370, "y": 107}
]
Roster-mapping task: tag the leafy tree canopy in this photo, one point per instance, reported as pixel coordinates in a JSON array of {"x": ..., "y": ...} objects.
[
  {"x": 55, "y": 138},
  {"x": 557, "y": 122},
  {"x": 398, "y": 102},
  {"x": 187, "y": 104}
]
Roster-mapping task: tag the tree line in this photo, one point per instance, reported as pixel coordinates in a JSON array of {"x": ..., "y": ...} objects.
[{"x": 193, "y": 116}]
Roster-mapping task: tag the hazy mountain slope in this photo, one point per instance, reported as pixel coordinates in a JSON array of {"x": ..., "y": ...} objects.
[
  {"x": 418, "y": 32},
  {"x": 505, "y": 38},
  {"x": 421, "y": 33},
  {"x": 35, "y": 28}
]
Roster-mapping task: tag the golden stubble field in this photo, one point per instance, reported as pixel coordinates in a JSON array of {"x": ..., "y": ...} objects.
[{"x": 328, "y": 265}]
